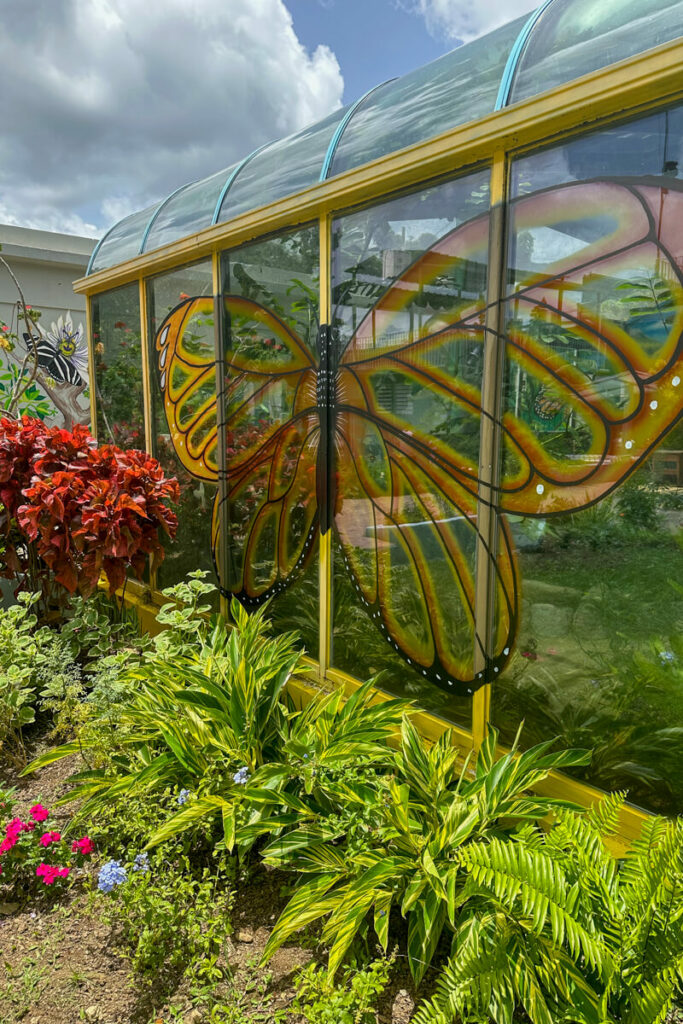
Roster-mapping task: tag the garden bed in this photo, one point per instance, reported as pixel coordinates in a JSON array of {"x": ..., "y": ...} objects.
[{"x": 62, "y": 963}]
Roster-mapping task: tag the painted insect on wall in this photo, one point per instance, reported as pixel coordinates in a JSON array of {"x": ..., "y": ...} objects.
[{"x": 332, "y": 453}]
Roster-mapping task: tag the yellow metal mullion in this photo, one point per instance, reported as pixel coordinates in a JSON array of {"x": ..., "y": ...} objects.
[
  {"x": 91, "y": 366},
  {"x": 146, "y": 389},
  {"x": 325, "y": 622},
  {"x": 489, "y": 446},
  {"x": 220, "y": 420},
  {"x": 146, "y": 376}
]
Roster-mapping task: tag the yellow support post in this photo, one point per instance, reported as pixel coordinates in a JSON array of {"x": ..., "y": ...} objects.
[
  {"x": 489, "y": 445},
  {"x": 146, "y": 375},
  {"x": 91, "y": 366},
  {"x": 220, "y": 420},
  {"x": 146, "y": 389},
  {"x": 325, "y": 546}
]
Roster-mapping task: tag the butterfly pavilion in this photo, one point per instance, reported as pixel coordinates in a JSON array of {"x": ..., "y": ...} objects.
[{"x": 419, "y": 371}]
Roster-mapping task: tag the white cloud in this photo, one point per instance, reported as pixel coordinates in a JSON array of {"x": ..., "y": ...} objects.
[
  {"x": 463, "y": 20},
  {"x": 109, "y": 105}
]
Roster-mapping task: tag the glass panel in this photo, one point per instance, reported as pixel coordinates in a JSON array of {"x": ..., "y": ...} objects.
[
  {"x": 409, "y": 287},
  {"x": 458, "y": 87},
  {"x": 117, "y": 345},
  {"x": 281, "y": 169},
  {"x": 592, "y": 469},
  {"x": 270, "y": 292},
  {"x": 183, "y": 377},
  {"x": 190, "y": 210},
  {"x": 123, "y": 241},
  {"x": 575, "y": 37}
]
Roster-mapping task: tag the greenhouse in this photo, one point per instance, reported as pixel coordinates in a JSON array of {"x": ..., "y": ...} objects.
[{"x": 419, "y": 371}]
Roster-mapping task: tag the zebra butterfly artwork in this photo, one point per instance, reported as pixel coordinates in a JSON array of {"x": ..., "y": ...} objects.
[
  {"x": 313, "y": 442},
  {"x": 62, "y": 351}
]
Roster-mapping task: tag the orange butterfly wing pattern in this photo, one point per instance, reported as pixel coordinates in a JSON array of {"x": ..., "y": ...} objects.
[
  {"x": 623, "y": 393},
  {"x": 417, "y": 482},
  {"x": 272, "y": 440},
  {"x": 403, "y": 493}
]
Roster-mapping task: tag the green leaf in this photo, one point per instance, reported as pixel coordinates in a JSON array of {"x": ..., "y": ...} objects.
[{"x": 425, "y": 924}]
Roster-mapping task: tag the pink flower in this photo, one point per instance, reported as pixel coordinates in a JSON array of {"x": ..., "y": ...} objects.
[
  {"x": 16, "y": 826},
  {"x": 39, "y": 813},
  {"x": 50, "y": 837},
  {"x": 7, "y": 844},
  {"x": 50, "y": 873},
  {"x": 83, "y": 846},
  {"x": 47, "y": 872}
]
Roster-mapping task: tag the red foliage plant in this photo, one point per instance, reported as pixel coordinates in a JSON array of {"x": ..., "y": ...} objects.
[{"x": 79, "y": 509}]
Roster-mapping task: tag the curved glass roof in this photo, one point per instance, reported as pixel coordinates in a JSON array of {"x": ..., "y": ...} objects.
[{"x": 562, "y": 40}]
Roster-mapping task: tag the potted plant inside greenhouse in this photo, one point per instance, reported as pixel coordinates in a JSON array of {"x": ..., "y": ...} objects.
[{"x": 343, "y": 679}]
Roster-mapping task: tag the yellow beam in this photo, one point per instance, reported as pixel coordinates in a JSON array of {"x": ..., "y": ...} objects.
[
  {"x": 220, "y": 419},
  {"x": 91, "y": 366},
  {"x": 146, "y": 376},
  {"x": 626, "y": 88},
  {"x": 489, "y": 444},
  {"x": 325, "y": 620}
]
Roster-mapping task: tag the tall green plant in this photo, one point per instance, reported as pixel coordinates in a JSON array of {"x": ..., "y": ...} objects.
[
  {"x": 554, "y": 925},
  {"x": 424, "y": 817}
]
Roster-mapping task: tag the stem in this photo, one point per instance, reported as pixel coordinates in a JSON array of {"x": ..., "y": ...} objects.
[{"x": 22, "y": 384}]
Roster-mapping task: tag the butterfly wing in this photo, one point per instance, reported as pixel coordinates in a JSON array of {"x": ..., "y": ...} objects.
[
  {"x": 272, "y": 435},
  {"x": 272, "y": 431},
  {"x": 599, "y": 333},
  {"x": 411, "y": 470},
  {"x": 407, "y": 437},
  {"x": 187, "y": 376}
]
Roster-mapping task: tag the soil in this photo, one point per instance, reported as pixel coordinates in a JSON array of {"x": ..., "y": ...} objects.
[{"x": 61, "y": 964}]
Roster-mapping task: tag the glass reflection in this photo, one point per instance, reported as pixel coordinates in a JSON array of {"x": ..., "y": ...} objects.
[
  {"x": 183, "y": 413},
  {"x": 117, "y": 346},
  {"x": 592, "y": 473},
  {"x": 270, "y": 291},
  {"x": 409, "y": 285}
]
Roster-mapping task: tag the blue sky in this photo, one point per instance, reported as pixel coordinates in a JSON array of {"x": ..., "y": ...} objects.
[{"x": 373, "y": 40}]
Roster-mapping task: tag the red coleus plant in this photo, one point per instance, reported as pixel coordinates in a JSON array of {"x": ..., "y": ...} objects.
[{"x": 78, "y": 509}]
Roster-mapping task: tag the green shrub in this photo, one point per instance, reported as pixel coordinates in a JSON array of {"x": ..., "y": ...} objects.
[
  {"x": 556, "y": 927},
  {"x": 216, "y": 723},
  {"x": 424, "y": 819},
  {"x": 24, "y": 651},
  {"x": 352, "y": 1000},
  {"x": 171, "y": 918}
]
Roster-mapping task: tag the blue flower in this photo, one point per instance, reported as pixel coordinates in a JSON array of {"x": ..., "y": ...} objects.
[
  {"x": 141, "y": 862},
  {"x": 241, "y": 775},
  {"x": 666, "y": 657},
  {"x": 182, "y": 796},
  {"x": 111, "y": 874}
]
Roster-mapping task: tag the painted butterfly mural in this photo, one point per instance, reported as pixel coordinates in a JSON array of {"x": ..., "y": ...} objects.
[
  {"x": 316, "y": 439},
  {"x": 62, "y": 351}
]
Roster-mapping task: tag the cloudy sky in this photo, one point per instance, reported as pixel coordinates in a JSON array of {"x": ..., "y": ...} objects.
[{"x": 108, "y": 105}]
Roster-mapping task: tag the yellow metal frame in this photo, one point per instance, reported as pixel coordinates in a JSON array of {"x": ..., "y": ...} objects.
[
  {"x": 619, "y": 92},
  {"x": 325, "y": 619},
  {"x": 91, "y": 366}
]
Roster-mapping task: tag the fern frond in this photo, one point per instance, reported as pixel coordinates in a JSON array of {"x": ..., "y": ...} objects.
[{"x": 532, "y": 883}]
